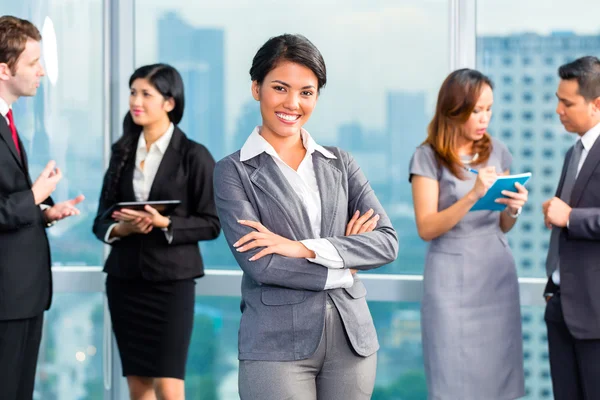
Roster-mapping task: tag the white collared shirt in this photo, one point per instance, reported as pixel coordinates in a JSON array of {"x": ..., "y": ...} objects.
[
  {"x": 587, "y": 140},
  {"x": 144, "y": 177},
  {"x": 4, "y": 108},
  {"x": 304, "y": 183}
]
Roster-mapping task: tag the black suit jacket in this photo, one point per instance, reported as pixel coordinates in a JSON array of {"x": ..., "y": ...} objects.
[
  {"x": 25, "y": 275},
  {"x": 579, "y": 250},
  {"x": 186, "y": 174}
]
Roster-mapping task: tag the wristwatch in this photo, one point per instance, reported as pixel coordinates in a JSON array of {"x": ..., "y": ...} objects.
[{"x": 515, "y": 215}]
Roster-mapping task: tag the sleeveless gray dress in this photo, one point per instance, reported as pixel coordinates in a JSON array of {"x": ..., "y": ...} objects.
[{"x": 470, "y": 314}]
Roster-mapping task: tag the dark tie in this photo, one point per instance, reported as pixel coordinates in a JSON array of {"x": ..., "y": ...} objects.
[
  {"x": 552, "y": 260},
  {"x": 13, "y": 129}
]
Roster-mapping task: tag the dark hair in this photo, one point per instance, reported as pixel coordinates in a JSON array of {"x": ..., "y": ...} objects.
[
  {"x": 586, "y": 71},
  {"x": 292, "y": 48},
  {"x": 456, "y": 101},
  {"x": 167, "y": 81},
  {"x": 14, "y": 33}
]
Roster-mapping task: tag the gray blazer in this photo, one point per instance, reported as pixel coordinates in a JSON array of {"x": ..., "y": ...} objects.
[{"x": 283, "y": 299}]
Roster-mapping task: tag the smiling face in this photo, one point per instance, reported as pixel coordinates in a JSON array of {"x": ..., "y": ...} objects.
[
  {"x": 479, "y": 120},
  {"x": 287, "y": 96},
  {"x": 147, "y": 105},
  {"x": 24, "y": 79}
]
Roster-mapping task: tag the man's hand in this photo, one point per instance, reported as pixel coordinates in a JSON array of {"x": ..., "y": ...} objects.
[
  {"x": 63, "y": 210},
  {"x": 556, "y": 213},
  {"x": 45, "y": 184}
]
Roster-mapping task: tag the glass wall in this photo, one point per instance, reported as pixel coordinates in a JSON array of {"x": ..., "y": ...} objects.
[
  {"x": 64, "y": 121},
  {"x": 385, "y": 62},
  {"x": 70, "y": 359},
  {"x": 521, "y": 48}
]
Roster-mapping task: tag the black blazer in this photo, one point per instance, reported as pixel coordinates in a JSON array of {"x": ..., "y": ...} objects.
[
  {"x": 185, "y": 173},
  {"x": 579, "y": 250},
  {"x": 25, "y": 276}
]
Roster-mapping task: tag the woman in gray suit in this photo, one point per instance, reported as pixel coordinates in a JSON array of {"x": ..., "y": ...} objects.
[
  {"x": 300, "y": 219},
  {"x": 470, "y": 315}
]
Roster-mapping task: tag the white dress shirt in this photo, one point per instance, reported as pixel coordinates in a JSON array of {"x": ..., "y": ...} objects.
[
  {"x": 304, "y": 183},
  {"x": 4, "y": 108},
  {"x": 587, "y": 140},
  {"x": 144, "y": 177}
]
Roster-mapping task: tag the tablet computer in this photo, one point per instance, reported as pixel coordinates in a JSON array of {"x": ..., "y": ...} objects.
[{"x": 165, "y": 207}]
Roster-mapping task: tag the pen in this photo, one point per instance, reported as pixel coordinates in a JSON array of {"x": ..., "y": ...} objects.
[{"x": 471, "y": 170}]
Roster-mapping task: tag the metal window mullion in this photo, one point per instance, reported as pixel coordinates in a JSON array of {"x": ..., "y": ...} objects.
[{"x": 462, "y": 33}]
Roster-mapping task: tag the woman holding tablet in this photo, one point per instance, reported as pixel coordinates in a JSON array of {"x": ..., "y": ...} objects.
[
  {"x": 471, "y": 316},
  {"x": 155, "y": 258}
]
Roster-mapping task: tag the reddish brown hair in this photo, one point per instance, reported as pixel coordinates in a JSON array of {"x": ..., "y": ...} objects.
[
  {"x": 14, "y": 33},
  {"x": 456, "y": 101}
]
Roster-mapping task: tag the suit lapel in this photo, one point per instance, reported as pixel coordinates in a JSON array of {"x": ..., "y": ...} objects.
[
  {"x": 588, "y": 167},
  {"x": 328, "y": 180},
  {"x": 6, "y": 135},
  {"x": 271, "y": 181},
  {"x": 127, "y": 181},
  {"x": 168, "y": 165}
]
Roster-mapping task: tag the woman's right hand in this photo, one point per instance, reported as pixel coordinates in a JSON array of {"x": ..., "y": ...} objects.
[
  {"x": 138, "y": 225},
  {"x": 361, "y": 224},
  {"x": 485, "y": 179}
]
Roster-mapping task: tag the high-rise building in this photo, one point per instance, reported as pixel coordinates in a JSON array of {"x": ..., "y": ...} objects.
[{"x": 199, "y": 57}]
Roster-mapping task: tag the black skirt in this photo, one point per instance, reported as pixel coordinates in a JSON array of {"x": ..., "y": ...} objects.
[{"x": 152, "y": 322}]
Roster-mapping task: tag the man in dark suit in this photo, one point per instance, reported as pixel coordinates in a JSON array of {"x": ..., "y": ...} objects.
[
  {"x": 573, "y": 263},
  {"x": 25, "y": 211}
]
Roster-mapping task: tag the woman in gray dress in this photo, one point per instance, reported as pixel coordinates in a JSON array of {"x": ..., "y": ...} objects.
[{"x": 471, "y": 318}]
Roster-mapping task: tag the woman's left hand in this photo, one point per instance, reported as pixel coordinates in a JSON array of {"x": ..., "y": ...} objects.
[
  {"x": 515, "y": 200},
  {"x": 128, "y": 215},
  {"x": 272, "y": 243}
]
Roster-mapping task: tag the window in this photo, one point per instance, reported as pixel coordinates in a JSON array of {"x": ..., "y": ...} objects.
[
  {"x": 527, "y": 97},
  {"x": 213, "y": 49},
  {"x": 527, "y": 80},
  {"x": 64, "y": 121},
  {"x": 526, "y": 245},
  {"x": 527, "y": 116},
  {"x": 507, "y": 80},
  {"x": 507, "y": 134},
  {"x": 507, "y": 115},
  {"x": 548, "y": 153},
  {"x": 507, "y": 97},
  {"x": 527, "y": 134}
]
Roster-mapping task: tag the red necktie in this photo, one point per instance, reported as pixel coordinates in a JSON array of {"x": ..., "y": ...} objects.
[{"x": 13, "y": 129}]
